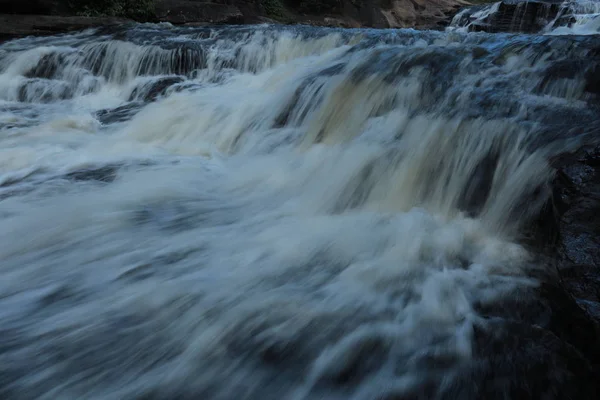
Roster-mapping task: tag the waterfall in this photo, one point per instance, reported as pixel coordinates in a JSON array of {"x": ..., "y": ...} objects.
[
  {"x": 572, "y": 17},
  {"x": 273, "y": 212}
]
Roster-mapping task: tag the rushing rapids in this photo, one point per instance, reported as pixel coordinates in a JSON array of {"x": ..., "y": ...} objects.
[
  {"x": 538, "y": 16},
  {"x": 270, "y": 213}
]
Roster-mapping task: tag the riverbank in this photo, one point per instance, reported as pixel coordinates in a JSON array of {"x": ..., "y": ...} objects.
[
  {"x": 14, "y": 26},
  {"x": 46, "y": 17}
]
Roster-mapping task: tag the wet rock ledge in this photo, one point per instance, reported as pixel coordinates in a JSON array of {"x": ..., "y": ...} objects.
[{"x": 577, "y": 219}]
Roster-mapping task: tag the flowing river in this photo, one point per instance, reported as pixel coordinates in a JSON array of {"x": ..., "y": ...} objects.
[{"x": 263, "y": 212}]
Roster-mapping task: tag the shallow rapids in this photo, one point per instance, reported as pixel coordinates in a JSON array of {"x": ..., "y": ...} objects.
[{"x": 271, "y": 213}]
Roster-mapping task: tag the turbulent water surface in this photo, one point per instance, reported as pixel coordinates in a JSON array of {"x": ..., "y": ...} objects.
[
  {"x": 272, "y": 213},
  {"x": 553, "y": 17}
]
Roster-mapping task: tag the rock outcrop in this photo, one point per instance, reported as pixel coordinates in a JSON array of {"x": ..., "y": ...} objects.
[
  {"x": 422, "y": 13},
  {"x": 13, "y": 26},
  {"x": 577, "y": 199},
  {"x": 186, "y": 11},
  {"x": 42, "y": 17}
]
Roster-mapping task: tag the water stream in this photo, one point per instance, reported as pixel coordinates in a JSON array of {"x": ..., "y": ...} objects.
[{"x": 270, "y": 212}]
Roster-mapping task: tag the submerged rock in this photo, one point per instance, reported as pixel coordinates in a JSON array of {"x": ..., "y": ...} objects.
[
  {"x": 151, "y": 91},
  {"x": 119, "y": 114}
]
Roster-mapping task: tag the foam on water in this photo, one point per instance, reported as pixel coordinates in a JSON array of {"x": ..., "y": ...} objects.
[
  {"x": 303, "y": 213},
  {"x": 571, "y": 17}
]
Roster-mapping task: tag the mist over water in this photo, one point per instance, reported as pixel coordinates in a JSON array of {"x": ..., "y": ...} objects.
[{"x": 268, "y": 212}]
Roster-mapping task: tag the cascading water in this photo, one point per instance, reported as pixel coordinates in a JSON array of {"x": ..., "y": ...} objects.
[
  {"x": 572, "y": 17},
  {"x": 577, "y": 18},
  {"x": 272, "y": 213}
]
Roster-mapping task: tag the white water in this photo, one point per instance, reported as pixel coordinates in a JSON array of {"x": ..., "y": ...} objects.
[
  {"x": 574, "y": 17},
  {"x": 291, "y": 210},
  {"x": 477, "y": 16},
  {"x": 586, "y": 15}
]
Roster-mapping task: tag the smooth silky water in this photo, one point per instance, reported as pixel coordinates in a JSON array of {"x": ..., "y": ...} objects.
[{"x": 269, "y": 212}]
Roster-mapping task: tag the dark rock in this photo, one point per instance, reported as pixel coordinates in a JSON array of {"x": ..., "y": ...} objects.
[
  {"x": 578, "y": 183},
  {"x": 47, "y": 67},
  {"x": 39, "y": 7},
  {"x": 477, "y": 191},
  {"x": 551, "y": 307},
  {"x": 119, "y": 114},
  {"x": 46, "y": 17},
  {"x": 185, "y": 11},
  {"x": 13, "y": 26},
  {"x": 153, "y": 90},
  {"x": 538, "y": 343},
  {"x": 480, "y": 52},
  {"x": 104, "y": 174},
  {"x": 565, "y": 20},
  {"x": 561, "y": 315},
  {"x": 592, "y": 80},
  {"x": 522, "y": 361},
  {"x": 44, "y": 91},
  {"x": 574, "y": 219}
]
